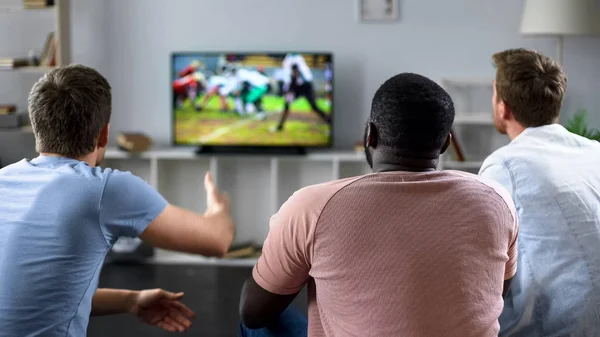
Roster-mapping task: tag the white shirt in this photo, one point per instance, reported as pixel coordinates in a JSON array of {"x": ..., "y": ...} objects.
[
  {"x": 553, "y": 177},
  {"x": 253, "y": 77},
  {"x": 216, "y": 81}
]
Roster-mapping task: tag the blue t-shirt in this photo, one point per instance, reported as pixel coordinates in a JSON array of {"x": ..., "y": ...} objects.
[{"x": 58, "y": 219}]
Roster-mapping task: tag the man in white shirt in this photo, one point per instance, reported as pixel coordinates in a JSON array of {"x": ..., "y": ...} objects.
[{"x": 553, "y": 177}]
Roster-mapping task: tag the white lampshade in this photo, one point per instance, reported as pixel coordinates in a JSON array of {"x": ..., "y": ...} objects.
[{"x": 561, "y": 17}]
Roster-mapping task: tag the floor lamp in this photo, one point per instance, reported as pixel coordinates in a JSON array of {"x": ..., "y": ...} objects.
[{"x": 560, "y": 18}]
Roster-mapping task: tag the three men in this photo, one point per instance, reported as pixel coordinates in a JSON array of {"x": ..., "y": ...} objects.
[{"x": 417, "y": 252}]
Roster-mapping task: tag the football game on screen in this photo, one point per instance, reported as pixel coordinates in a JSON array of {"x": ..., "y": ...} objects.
[{"x": 252, "y": 99}]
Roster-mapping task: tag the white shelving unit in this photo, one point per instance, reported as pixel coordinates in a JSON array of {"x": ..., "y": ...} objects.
[
  {"x": 473, "y": 125},
  {"x": 62, "y": 30},
  {"x": 258, "y": 184}
]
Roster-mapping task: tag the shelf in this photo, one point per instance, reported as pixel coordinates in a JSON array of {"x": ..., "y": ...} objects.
[
  {"x": 474, "y": 119},
  {"x": 461, "y": 165},
  {"x": 11, "y": 9},
  {"x": 34, "y": 70},
  {"x": 173, "y": 258},
  {"x": 175, "y": 153}
]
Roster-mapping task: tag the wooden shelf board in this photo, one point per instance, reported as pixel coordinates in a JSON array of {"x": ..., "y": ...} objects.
[
  {"x": 10, "y": 9},
  {"x": 173, "y": 258},
  {"x": 36, "y": 70}
]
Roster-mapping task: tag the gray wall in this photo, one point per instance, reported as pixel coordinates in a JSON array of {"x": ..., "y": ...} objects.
[{"x": 130, "y": 42}]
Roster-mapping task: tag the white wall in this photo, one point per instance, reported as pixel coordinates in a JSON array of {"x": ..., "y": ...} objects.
[{"x": 130, "y": 42}]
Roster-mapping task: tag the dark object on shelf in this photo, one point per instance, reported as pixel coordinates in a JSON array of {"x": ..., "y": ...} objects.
[
  {"x": 252, "y": 150},
  {"x": 134, "y": 142},
  {"x": 359, "y": 147},
  {"x": 10, "y": 121},
  {"x": 37, "y": 4},
  {"x": 243, "y": 250},
  {"x": 455, "y": 146},
  {"x": 12, "y": 63},
  {"x": 7, "y": 109}
]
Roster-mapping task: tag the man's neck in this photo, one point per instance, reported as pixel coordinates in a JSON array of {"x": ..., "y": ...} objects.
[
  {"x": 387, "y": 163},
  {"x": 89, "y": 158},
  {"x": 513, "y": 130}
]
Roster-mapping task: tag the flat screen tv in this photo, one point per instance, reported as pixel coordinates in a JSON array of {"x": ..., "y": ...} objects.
[{"x": 258, "y": 100}]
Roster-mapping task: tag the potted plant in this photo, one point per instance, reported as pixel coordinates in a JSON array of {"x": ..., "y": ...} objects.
[{"x": 577, "y": 124}]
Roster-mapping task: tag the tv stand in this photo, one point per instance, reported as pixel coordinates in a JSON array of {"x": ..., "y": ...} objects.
[{"x": 252, "y": 150}]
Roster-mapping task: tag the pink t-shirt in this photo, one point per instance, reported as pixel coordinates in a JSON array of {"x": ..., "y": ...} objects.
[{"x": 395, "y": 254}]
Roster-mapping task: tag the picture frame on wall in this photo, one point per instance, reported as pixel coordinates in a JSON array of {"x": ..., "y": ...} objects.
[{"x": 378, "y": 11}]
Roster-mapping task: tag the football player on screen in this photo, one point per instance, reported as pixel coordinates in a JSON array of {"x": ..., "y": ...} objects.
[
  {"x": 188, "y": 87},
  {"x": 300, "y": 85},
  {"x": 252, "y": 87},
  {"x": 217, "y": 85},
  {"x": 193, "y": 67}
]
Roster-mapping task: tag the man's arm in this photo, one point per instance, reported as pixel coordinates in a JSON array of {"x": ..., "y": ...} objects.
[
  {"x": 495, "y": 169},
  {"x": 178, "y": 229},
  {"x": 156, "y": 307},
  {"x": 130, "y": 207},
  {"x": 259, "y": 307},
  {"x": 283, "y": 268},
  {"x": 113, "y": 301},
  {"x": 506, "y": 287}
]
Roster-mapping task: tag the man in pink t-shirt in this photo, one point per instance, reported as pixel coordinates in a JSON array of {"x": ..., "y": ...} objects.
[{"x": 403, "y": 251}]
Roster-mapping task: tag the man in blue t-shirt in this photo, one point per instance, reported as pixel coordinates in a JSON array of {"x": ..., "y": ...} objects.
[{"x": 60, "y": 214}]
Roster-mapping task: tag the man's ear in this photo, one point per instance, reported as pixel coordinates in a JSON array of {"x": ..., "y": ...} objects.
[
  {"x": 372, "y": 137},
  {"x": 446, "y": 144},
  {"x": 506, "y": 112},
  {"x": 103, "y": 138}
]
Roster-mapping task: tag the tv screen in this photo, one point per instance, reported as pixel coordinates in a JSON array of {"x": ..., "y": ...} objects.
[{"x": 252, "y": 99}]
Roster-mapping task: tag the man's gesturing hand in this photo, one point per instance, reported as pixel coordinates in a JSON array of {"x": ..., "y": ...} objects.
[
  {"x": 162, "y": 309},
  {"x": 216, "y": 201}
]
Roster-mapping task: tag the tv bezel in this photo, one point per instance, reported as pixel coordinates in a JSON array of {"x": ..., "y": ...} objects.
[{"x": 174, "y": 142}]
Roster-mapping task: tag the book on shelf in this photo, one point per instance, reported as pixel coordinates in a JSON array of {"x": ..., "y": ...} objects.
[
  {"x": 48, "y": 57},
  {"x": 7, "y": 109},
  {"x": 241, "y": 251},
  {"x": 456, "y": 148},
  {"x": 11, "y": 63},
  {"x": 37, "y": 4},
  {"x": 359, "y": 147}
]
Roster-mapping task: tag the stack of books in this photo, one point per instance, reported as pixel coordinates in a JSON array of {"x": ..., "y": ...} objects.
[
  {"x": 243, "y": 251},
  {"x": 37, "y": 4},
  {"x": 6, "y": 109},
  {"x": 11, "y": 63}
]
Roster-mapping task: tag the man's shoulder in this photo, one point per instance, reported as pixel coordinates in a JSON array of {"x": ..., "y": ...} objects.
[
  {"x": 116, "y": 180},
  {"x": 315, "y": 197},
  {"x": 327, "y": 189},
  {"x": 501, "y": 156},
  {"x": 491, "y": 186}
]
